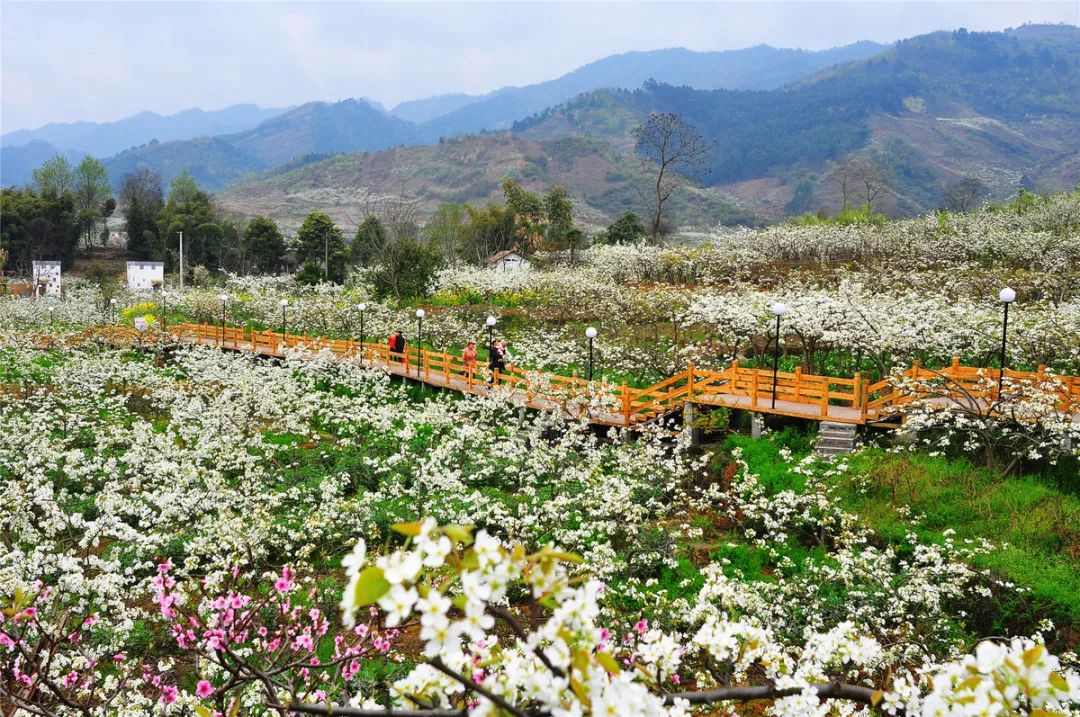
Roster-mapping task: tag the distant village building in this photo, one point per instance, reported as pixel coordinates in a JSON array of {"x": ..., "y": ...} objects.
[
  {"x": 46, "y": 278},
  {"x": 145, "y": 275},
  {"x": 508, "y": 260}
]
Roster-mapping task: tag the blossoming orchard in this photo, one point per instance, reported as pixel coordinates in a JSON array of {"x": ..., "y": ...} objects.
[{"x": 191, "y": 525}]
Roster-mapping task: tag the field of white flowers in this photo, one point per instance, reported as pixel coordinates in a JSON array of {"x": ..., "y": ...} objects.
[{"x": 187, "y": 531}]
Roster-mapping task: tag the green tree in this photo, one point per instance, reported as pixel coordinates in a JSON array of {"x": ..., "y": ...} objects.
[
  {"x": 489, "y": 230},
  {"x": 191, "y": 211},
  {"x": 321, "y": 241},
  {"x": 447, "y": 230},
  {"x": 528, "y": 213},
  {"x": 369, "y": 241},
  {"x": 54, "y": 178},
  {"x": 37, "y": 227},
  {"x": 406, "y": 268},
  {"x": 265, "y": 244},
  {"x": 627, "y": 229},
  {"x": 559, "y": 212},
  {"x": 90, "y": 184},
  {"x": 142, "y": 197}
]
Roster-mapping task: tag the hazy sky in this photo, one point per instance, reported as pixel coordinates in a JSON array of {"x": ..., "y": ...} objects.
[{"x": 103, "y": 61}]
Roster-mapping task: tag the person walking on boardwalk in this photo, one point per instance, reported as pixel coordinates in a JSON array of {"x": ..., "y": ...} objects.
[
  {"x": 468, "y": 356},
  {"x": 507, "y": 359},
  {"x": 397, "y": 345},
  {"x": 496, "y": 361}
]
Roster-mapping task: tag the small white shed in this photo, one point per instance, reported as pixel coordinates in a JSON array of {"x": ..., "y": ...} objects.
[
  {"x": 46, "y": 278},
  {"x": 508, "y": 260},
  {"x": 145, "y": 275}
]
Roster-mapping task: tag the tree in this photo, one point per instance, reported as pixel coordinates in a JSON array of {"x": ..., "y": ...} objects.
[
  {"x": 191, "y": 211},
  {"x": 321, "y": 242},
  {"x": 528, "y": 213},
  {"x": 965, "y": 194},
  {"x": 675, "y": 150},
  {"x": 90, "y": 184},
  {"x": 368, "y": 242},
  {"x": 406, "y": 268},
  {"x": 265, "y": 244},
  {"x": 36, "y": 227},
  {"x": 627, "y": 229},
  {"x": 54, "y": 177},
  {"x": 489, "y": 230},
  {"x": 447, "y": 230},
  {"x": 871, "y": 183},
  {"x": 143, "y": 199}
]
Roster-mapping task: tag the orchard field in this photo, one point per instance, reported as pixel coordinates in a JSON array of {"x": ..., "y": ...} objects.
[{"x": 189, "y": 531}]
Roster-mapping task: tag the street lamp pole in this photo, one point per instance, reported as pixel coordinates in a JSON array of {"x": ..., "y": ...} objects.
[
  {"x": 112, "y": 307},
  {"x": 181, "y": 261},
  {"x": 164, "y": 308},
  {"x": 1006, "y": 296},
  {"x": 283, "y": 303},
  {"x": 224, "y": 299},
  {"x": 491, "y": 321},
  {"x": 419, "y": 336},
  {"x": 361, "y": 308},
  {"x": 590, "y": 333},
  {"x": 778, "y": 309}
]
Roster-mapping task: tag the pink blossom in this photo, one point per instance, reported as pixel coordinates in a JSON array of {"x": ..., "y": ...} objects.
[
  {"x": 204, "y": 689},
  {"x": 119, "y": 657},
  {"x": 641, "y": 626},
  {"x": 166, "y": 566},
  {"x": 168, "y": 694}
]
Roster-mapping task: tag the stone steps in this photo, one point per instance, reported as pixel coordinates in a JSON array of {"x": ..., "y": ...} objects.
[{"x": 834, "y": 439}]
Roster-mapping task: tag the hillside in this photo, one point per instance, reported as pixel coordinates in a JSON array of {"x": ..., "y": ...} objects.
[
  {"x": 754, "y": 68},
  {"x": 995, "y": 106},
  {"x": 102, "y": 139},
  {"x": 603, "y": 180},
  {"x": 17, "y": 164}
]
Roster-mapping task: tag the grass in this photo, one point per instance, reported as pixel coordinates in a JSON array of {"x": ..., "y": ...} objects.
[{"x": 1033, "y": 521}]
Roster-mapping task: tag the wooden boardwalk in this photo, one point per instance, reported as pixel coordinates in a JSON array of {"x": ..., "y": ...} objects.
[{"x": 798, "y": 395}]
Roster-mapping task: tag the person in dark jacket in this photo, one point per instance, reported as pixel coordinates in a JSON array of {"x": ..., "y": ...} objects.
[
  {"x": 496, "y": 360},
  {"x": 397, "y": 345}
]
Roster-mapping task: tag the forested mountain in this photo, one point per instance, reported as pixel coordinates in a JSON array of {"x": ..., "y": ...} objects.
[
  {"x": 995, "y": 106},
  {"x": 756, "y": 68},
  {"x": 102, "y": 139},
  {"x": 315, "y": 128}
]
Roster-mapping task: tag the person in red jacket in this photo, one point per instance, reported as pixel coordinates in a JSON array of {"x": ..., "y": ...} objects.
[{"x": 397, "y": 346}]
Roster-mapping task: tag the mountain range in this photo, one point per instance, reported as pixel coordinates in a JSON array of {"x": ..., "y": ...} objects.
[{"x": 1003, "y": 108}]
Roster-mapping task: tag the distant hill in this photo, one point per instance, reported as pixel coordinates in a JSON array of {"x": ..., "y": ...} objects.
[
  {"x": 602, "y": 179},
  {"x": 315, "y": 128},
  {"x": 102, "y": 139},
  {"x": 364, "y": 125},
  {"x": 755, "y": 68},
  {"x": 17, "y": 164},
  {"x": 996, "y": 106}
]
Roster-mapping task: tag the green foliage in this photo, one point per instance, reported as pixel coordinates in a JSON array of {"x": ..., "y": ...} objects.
[
  {"x": 310, "y": 273},
  {"x": 627, "y": 229},
  {"x": 55, "y": 177},
  {"x": 407, "y": 268},
  {"x": 857, "y": 215},
  {"x": 37, "y": 226},
  {"x": 265, "y": 244},
  {"x": 321, "y": 242},
  {"x": 141, "y": 194},
  {"x": 1033, "y": 521},
  {"x": 368, "y": 243}
]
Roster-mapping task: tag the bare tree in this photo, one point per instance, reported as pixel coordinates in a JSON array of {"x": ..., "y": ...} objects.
[
  {"x": 964, "y": 194},
  {"x": 871, "y": 182},
  {"x": 843, "y": 176},
  {"x": 675, "y": 148}
]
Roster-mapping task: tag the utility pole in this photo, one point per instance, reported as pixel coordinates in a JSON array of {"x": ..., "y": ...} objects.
[{"x": 181, "y": 261}]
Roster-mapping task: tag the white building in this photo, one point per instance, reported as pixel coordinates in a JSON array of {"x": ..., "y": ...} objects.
[
  {"x": 145, "y": 275},
  {"x": 508, "y": 260},
  {"x": 46, "y": 278}
]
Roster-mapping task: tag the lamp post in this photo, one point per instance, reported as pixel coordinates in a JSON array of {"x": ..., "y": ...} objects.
[
  {"x": 590, "y": 333},
  {"x": 51, "y": 310},
  {"x": 112, "y": 309},
  {"x": 419, "y": 336},
  {"x": 361, "y": 308},
  {"x": 164, "y": 308},
  {"x": 181, "y": 261},
  {"x": 224, "y": 300},
  {"x": 779, "y": 310},
  {"x": 1006, "y": 296},
  {"x": 491, "y": 321},
  {"x": 283, "y": 303}
]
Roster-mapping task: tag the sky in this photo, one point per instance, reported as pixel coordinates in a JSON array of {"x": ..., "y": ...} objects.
[{"x": 101, "y": 61}]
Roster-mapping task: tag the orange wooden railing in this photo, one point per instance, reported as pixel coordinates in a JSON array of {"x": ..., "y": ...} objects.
[{"x": 850, "y": 400}]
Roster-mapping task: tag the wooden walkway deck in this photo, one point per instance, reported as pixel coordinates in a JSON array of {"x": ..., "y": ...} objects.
[{"x": 798, "y": 395}]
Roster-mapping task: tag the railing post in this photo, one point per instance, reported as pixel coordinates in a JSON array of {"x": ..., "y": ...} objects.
[
  {"x": 798, "y": 382},
  {"x": 626, "y": 404},
  {"x": 955, "y": 366},
  {"x": 859, "y": 398},
  {"x": 825, "y": 396},
  {"x": 754, "y": 388},
  {"x": 690, "y": 382}
]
